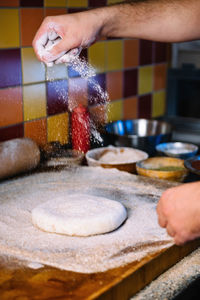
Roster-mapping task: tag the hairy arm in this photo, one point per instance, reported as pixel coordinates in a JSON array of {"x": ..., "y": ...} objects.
[{"x": 159, "y": 20}]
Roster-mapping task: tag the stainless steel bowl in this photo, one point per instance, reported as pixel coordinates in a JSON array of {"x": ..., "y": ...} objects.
[{"x": 140, "y": 133}]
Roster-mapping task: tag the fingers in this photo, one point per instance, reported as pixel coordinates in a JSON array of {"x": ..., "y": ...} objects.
[{"x": 69, "y": 56}]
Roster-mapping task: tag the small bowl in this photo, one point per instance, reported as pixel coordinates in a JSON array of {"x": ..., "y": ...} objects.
[
  {"x": 178, "y": 149},
  {"x": 93, "y": 158},
  {"x": 168, "y": 168},
  {"x": 193, "y": 164}
]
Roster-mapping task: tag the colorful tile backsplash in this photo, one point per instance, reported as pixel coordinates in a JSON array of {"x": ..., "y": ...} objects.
[{"x": 35, "y": 101}]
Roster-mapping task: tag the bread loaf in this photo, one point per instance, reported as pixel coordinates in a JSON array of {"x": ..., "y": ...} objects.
[{"x": 18, "y": 155}]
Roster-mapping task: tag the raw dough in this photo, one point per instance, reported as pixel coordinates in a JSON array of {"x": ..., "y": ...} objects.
[
  {"x": 121, "y": 155},
  {"x": 79, "y": 215}
]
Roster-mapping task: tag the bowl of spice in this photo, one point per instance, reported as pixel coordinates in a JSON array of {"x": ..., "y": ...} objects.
[
  {"x": 168, "y": 168},
  {"x": 177, "y": 149},
  {"x": 121, "y": 158},
  {"x": 193, "y": 164}
]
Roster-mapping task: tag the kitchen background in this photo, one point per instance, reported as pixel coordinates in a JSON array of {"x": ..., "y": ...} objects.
[{"x": 132, "y": 71}]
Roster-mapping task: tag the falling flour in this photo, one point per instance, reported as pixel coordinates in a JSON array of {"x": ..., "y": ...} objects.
[{"x": 138, "y": 236}]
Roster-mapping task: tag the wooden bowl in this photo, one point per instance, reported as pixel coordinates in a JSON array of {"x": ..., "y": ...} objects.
[
  {"x": 93, "y": 158},
  {"x": 168, "y": 168}
]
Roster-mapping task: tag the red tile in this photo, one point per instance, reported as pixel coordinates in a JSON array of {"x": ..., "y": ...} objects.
[
  {"x": 11, "y": 111},
  {"x": 31, "y": 19},
  {"x": 37, "y": 131},
  {"x": 144, "y": 106},
  {"x": 130, "y": 83},
  {"x": 9, "y": 3},
  {"x": 146, "y": 56},
  {"x": 12, "y": 132},
  {"x": 10, "y": 62},
  {"x": 57, "y": 97},
  {"x": 54, "y": 11},
  {"x": 114, "y": 81},
  {"x": 160, "y": 77}
]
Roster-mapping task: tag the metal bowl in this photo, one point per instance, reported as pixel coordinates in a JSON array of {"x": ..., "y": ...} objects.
[
  {"x": 190, "y": 164},
  {"x": 178, "y": 149},
  {"x": 140, "y": 133}
]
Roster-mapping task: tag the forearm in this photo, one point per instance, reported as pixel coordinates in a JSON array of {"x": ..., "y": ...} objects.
[{"x": 159, "y": 20}]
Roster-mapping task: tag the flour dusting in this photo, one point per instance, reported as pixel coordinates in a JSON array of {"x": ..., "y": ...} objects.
[{"x": 138, "y": 236}]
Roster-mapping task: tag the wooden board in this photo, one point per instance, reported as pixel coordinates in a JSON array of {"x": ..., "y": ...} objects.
[{"x": 18, "y": 281}]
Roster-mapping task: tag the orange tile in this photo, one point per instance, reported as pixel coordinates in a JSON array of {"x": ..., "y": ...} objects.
[
  {"x": 160, "y": 77},
  {"x": 77, "y": 92},
  {"x": 99, "y": 114},
  {"x": 37, "y": 131},
  {"x": 11, "y": 111},
  {"x": 130, "y": 108},
  {"x": 131, "y": 53},
  {"x": 9, "y": 3},
  {"x": 55, "y": 11},
  {"x": 114, "y": 85},
  {"x": 31, "y": 19}
]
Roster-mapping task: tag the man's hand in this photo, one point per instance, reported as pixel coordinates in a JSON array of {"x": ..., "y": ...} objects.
[
  {"x": 68, "y": 32},
  {"x": 179, "y": 211}
]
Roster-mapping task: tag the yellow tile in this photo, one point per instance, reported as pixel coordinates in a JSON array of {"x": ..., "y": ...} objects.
[
  {"x": 32, "y": 69},
  {"x": 9, "y": 28},
  {"x": 77, "y": 3},
  {"x": 34, "y": 97},
  {"x": 97, "y": 57},
  {"x": 114, "y": 55},
  {"x": 158, "y": 107},
  {"x": 55, "y": 3},
  {"x": 58, "y": 128},
  {"x": 114, "y": 111},
  {"x": 56, "y": 72},
  {"x": 145, "y": 80}
]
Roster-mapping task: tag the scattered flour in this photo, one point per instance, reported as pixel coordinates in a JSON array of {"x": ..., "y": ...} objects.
[{"x": 138, "y": 236}]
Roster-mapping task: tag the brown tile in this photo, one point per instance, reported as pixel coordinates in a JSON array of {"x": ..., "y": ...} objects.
[
  {"x": 9, "y": 3},
  {"x": 131, "y": 53},
  {"x": 130, "y": 108},
  {"x": 37, "y": 131},
  {"x": 130, "y": 83},
  {"x": 31, "y": 19},
  {"x": 146, "y": 52},
  {"x": 160, "y": 52},
  {"x": 11, "y": 106},
  {"x": 78, "y": 92},
  {"x": 144, "y": 106},
  {"x": 31, "y": 3},
  {"x": 97, "y": 3},
  {"x": 11, "y": 132},
  {"x": 54, "y": 11},
  {"x": 160, "y": 75},
  {"x": 114, "y": 82}
]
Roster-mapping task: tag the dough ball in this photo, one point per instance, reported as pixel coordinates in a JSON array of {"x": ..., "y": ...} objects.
[{"x": 79, "y": 215}]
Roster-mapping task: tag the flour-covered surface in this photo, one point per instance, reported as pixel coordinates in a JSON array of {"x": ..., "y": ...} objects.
[
  {"x": 174, "y": 281},
  {"x": 139, "y": 236}
]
